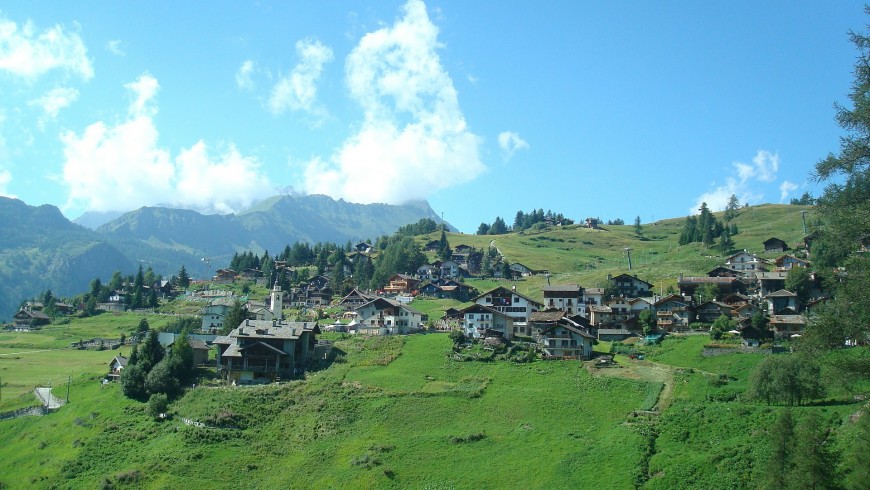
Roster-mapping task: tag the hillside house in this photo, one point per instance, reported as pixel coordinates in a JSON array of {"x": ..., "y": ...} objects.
[
  {"x": 200, "y": 349},
  {"x": 478, "y": 319},
  {"x": 262, "y": 351},
  {"x": 401, "y": 284},
  {"x": 362, "y": 247},
  {"x": 520, "y": 270},
  {"x": 631, "y": 286},
  {"x": 509, "y": 302},
  {"x": 774, "y": 244},
  {"x": 559, "y": 336},
  {"x": 600, "y": 315},
  {"x": 787, "y": 325},
  {"x": 746, "y": 311},
  {"x": 593, "y": 296},
  {"x": 592, "y": 223},
  {"x": 382, "y": 316},
  {"x": 786, "y": 262},
  {"x": 688, "y": 286},
  {"x": 565, "y": 297},
  {"x": 722, "y": 271},
  {"x": 709, "y": 311},
  {"x": 673, "y": 313},
  {"x": 782, "y": 302},
  {"x": 213, "y": 314},
  {"x": 769, "y": 282},
  {"x": 745, "y": 263},
  {"x": 355, "y": 299},
  {"x": 449, "y": 268},
  {"x": 116, "y": 365},
  {"x": 26, "y": 318},
  {"x": 428, "y": 272},
  {"x": 224, "y": 276}
]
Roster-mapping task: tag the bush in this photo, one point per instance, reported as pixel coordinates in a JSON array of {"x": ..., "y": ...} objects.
[{"x": 157, "y": 404}]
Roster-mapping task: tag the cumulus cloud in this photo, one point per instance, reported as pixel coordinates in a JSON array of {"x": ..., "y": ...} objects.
[
  {"x": 785, "y": 190},
  {"x": 510, "y": 142},
  {"x": 122, "y": 167},
  {"x": 413, "y": 139},
  {"x": 55, "y": 100},
  {"x": 763, "y": 169},
  {"x": 5, "y": 179},
  {"x": 243, "y": 75},
  {"x": 298, "y": 90},
  {"x": 114, "y": 47},
  {"x": 29, "y": 52}
]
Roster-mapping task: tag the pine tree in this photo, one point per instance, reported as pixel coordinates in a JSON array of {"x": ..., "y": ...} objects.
[
  {"x": 814, "y": 461},
  {"x": 858, "y": 460},
  {"x": 183, "y": 280},
  {"x": 780, "y": 464},
  {"x": 638, "y": 229},
  {"x": 151, "y": 351}
]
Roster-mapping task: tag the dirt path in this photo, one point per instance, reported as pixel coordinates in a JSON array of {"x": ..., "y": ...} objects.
[
  {"x": 645, "y": 371},
  {"x": 24, "y": 352},
  {"x": 50, "y": 401}
]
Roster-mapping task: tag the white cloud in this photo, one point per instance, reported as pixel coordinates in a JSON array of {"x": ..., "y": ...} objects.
[
  {"x": 28, "y": 52},
  {"x": 143, "y": 89},
  {"x": 243, "y": 75},
  {"x": 298, "y": 90},
  {"x": 114, "y": 47},
  {"x": 5, "y": 179},
  {"x": 785, "y": 189},
  {"x": 413, "y": 139},
  {"x": 55, "y": 100},
  {"x": 122, "y": 167},
  {"x": 510, "y": 142},
  {"x": 763, "y": 169}
]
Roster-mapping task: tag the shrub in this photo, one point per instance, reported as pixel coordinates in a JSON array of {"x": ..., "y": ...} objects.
[{"x": 157, "y": 404}]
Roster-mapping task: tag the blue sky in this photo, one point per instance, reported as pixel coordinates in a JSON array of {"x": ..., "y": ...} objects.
[{"x": 608, "y": 109}]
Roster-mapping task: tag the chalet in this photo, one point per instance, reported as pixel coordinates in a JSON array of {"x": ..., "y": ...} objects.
[
  {"x": 726, "y": 285},
  {"x": 786, "y": 262},
  {"x": 449, "y": 268},
  {"x": 250, "y": 274},
  {"x": 25, "y": 319},
  {"x": 709, "y": 311},
  {"x": 463, "y": 249},
  {"x": 744, "y": 262},
  {"x": 263, "y": 351},
  {"x": 213, "y": 314},
  {"x": 782, "y": 302},
  {"x": 630, "y": 286},
  {"x": 592, "y": 223},
  {"x": 561, "y": 338},
  {"x": 769, "y": 282},
  {"x": 520, "y": 270},
  {"x": 736, "y": 299},
  {"x": 382, "y": 316},
  {"x": 362, "y": 247},
  {"x": 746, "y": 311},
  {"x": 427, "y": 272},
  {"x": 318, "y": 282},
  {"x": 673, "y": 313},
  {"x": 163, "y": 288},
  {"x": 117, "y": 365},
  {"x": 357, "y": 257},
  {"x": 600, "y": 315},
  {"x": 432, "y": 246},
  {"x": 509, "y": 302},
  {"x": 565, "y": 297},
  {"x": 401, "y": 284},
  {"x": 723, "y": 271},
  {"x": 593, "y": 296},
  {"x": 355, "y": 299},
  {"x": 118, "y": 296},
  {"x": 787, "y": 325},
  {"x": 478, "y": 319},
  {"x": 224, "y": 276},
  {"x": 774, "y": 244}
]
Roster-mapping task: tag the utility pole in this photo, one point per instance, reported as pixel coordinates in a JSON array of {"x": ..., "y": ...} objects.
[
  {"x": 628, "y": 254},
  {"x": 804, "y": 218},
  {"x": 68, "y": 381}
]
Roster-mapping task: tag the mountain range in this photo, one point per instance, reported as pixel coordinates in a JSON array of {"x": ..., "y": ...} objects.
[{"x": 41, "y": 249}]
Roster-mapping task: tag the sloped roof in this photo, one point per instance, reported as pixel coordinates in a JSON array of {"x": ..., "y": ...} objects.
[
  {"x": 782, "y": 293},
  {"x": 515, "y": 293},
  {"x": 546, "y": 316}
]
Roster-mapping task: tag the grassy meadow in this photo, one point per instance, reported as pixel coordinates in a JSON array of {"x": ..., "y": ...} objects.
[{"x": 402, "y": 412}]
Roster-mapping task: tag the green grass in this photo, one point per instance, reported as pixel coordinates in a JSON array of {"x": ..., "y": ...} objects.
[{"x": 22, "y": 370}]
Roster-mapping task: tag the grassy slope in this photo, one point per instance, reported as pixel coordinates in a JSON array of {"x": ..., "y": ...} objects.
[{"x": 400, "y": 401}]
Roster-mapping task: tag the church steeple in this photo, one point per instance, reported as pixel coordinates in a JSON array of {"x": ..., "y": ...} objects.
[{"x": 277, "y": 307}]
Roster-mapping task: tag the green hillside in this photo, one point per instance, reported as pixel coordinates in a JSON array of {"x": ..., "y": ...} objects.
[{"x": 403, "y": 412}]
